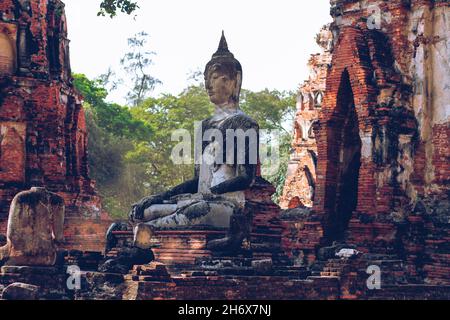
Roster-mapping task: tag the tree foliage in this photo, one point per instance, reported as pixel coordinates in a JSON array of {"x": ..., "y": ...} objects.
[
  {"x": 136, "y": 63},
  {"x": 271, "y": 109},
  {"x": 111, "y": 7},
  {"x": 113, "y": 132},
  {"x": 111, "y": 117}
]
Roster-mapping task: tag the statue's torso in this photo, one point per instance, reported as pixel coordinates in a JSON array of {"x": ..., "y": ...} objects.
[{"x": 213, "y": 173}]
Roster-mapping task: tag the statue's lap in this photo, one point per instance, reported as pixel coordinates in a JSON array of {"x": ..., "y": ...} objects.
[{"x": 196, "y": 209}]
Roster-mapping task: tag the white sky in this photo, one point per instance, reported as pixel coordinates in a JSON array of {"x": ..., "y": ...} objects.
[{"x": 272, "y": 39}]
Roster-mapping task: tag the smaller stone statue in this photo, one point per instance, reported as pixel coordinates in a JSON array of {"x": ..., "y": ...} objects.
[{"x": 35, "y": 227}]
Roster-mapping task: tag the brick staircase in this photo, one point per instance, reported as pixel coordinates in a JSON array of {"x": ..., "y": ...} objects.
[
  {"x": 238, "y": 266},
  {"x": 334, "y": 268},
  {"x": 393, "y": 270}
]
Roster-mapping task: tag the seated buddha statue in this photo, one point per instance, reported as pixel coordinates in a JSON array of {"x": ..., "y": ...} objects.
[{"x": 229, "y": 157}]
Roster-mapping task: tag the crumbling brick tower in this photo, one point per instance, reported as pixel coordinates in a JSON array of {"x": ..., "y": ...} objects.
[
  {"x": 300, "y": 182},
  {"x": 43, "y": 136},
  {"x": 383, "y": 134}
]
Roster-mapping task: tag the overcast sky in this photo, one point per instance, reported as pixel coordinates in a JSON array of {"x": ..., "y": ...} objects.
[{"x": 272, "y": 39}]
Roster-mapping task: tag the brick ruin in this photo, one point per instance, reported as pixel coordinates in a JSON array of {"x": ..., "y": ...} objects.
[
  {"x": 300, "y": 182},
  {"x": 369, "y": 170},
  {"x": 43, "y": 138},
  {"x": 382, "y": 177}
]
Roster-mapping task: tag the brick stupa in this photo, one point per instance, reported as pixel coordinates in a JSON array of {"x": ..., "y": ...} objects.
[{"x": 43, "y": 137}]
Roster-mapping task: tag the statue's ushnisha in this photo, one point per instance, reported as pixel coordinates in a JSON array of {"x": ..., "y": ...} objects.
[{"x": 215, "y": 196}]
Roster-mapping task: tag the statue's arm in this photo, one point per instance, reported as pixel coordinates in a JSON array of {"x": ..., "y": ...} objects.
[{"x": 190, "y": 186}]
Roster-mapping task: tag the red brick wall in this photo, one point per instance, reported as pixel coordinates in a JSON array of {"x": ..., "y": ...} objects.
[
  {"x": 350, "y": 55},
  {"x": 404, "y": 133},
  {"x": 43, "y": 129},
  {"x": 12, "y": 152}
]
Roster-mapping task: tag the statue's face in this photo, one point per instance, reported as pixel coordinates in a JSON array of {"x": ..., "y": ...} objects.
[{"x": 220, "y": 87}]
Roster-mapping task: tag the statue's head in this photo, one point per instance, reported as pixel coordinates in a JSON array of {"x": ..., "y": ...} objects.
[{"x": 223, "y": 76}]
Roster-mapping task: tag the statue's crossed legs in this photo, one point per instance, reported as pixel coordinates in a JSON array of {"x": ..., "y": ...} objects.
[{"x": 185, "y": 211}]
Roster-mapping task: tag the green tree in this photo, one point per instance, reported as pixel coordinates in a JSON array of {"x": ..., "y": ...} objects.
[
  {"x": 113, "y": 132},
  {"x": 111, "y": 7},
  {"x": 111, "y": 117},
  {"x": 137, "y": 63},
  {"x": 271, "y": 109},
  {"x": 165, "y": 115},
  {"x": 279, "y": 177}
]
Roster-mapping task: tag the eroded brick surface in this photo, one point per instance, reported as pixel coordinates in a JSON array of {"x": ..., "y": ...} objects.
[
  {"x": 381, "y": 181},
  {"x": 300, "y": 182},
  {"x": 43, "y": 134}
]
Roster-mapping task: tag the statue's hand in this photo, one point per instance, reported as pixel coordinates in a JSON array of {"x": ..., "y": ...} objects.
[
  {"x": 138, "y": 209},
  {"x": 214, "y": 190}
]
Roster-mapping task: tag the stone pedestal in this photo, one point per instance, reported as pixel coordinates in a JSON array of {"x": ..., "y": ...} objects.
[
  {"x": 176, "y": 247},
  {"x": 184, "y": 246}
]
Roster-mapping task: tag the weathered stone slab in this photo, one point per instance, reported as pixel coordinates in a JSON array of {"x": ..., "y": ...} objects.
[{"x": 35, "y": 227}]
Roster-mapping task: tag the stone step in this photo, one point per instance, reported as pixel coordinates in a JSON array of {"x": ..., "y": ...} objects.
[
  {"x": 292, "y": 274},
  {"x": 380, "y": 257},
  {"x": 236, "y": 272},
  {"x": 323, "y": 278},
  {"x": 328, "y": 269},
  {"x": 330, "y": 274},
  {"x": 296, "y": 268},
  {"x": 315, "y": 273}
]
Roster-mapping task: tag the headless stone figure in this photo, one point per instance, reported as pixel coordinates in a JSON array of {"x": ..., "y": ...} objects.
[
  {"x": 35, "y": 226},
  {"x": 215, "y": 196}
]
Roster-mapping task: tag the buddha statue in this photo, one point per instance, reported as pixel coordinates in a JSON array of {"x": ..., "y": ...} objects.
[{"x": 215, "y": 197}]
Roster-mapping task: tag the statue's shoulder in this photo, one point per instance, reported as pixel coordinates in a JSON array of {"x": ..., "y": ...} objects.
[
  {"x": 240, "y": 121},
  {"x": 35, "y": 195},
  {"x": 206, "y": 123}
]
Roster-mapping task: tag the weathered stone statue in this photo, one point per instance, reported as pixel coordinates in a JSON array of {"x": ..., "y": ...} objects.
[
  {"x": 215, "y": 196},
  {"x": 35, "y": 227}
]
